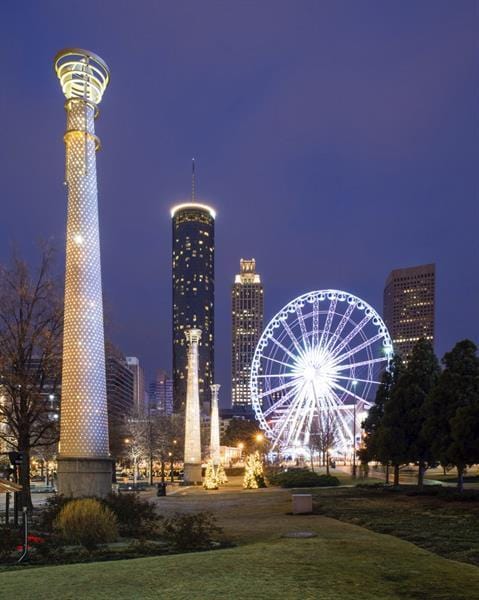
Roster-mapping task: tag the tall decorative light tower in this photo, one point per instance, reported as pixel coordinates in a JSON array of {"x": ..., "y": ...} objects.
[
  {"x": 192, "y": 459},
  {"x": 84, "y": 463},
  {"x": 215, "y": 425}
]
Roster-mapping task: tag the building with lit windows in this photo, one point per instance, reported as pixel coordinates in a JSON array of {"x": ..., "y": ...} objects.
[
  {"x": 161, "y": 394},
  {"x": 247, "y": 327},
  {"x": 193, "y": 271},
  {"x": 138, "y": 385},
  {"x": 409, "y": 306},
  {"x": 120, "y": 387}
]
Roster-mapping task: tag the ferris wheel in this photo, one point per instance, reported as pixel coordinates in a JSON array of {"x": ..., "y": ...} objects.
[{"x": 317, "y": 365}]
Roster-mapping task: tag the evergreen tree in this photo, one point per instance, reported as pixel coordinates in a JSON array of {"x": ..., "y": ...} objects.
[
  {"x": 405, "y": 412},
  {"x": 375, "y": 444},
  {"x": 253, "y": 474},
  {"x": 221, "y": 475},
  {"x": 452, "y": 422},
  {"x": 210, "y": 481}
]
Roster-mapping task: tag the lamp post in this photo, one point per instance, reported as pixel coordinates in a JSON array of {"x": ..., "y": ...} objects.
[
  {"x": 355, "y": 383},
  {"x": 240, "y": 447},
  {"x": 172, "y": 477}
]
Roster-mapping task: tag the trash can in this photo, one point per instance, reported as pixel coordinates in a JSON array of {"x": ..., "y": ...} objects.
[{"x": 161, "y": 491}]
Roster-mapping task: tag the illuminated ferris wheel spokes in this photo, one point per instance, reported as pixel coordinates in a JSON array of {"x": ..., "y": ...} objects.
[{"x": 322, "y": 354}]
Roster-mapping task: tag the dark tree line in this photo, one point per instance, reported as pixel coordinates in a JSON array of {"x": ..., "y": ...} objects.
[{"x": 424, "y": 415}]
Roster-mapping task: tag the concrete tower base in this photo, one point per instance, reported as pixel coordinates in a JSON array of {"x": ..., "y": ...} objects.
[
  {"x": 79, "y": 477},
  {"x": 192, "y": 474}
]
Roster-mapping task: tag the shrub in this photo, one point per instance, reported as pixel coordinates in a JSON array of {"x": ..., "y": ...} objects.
[
  {"x": 87, "y": 522},
  {"x": 136, "y": 517},
  {"x": 9, "y": 540},
  {"x": 295, "y": 478},
  {"x": 186, "y": 532},
  {"x": 50, "y": 511}
]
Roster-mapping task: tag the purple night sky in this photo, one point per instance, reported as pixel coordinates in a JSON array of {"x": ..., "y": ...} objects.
[{"x": 337, "y": 141}]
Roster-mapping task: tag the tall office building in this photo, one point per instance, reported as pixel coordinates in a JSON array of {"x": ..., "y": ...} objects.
[
  {"x": 193, "y": 295},
  {"x": 120, "y": 386},
  {"x": 84, "y": 462},
  {"x": 247, "y": 326},
  {"x": 138, "y": 385},
  {"x": 120, "y": 395},
  {"x": 161, "y": 394},
  {"x": 409, "y": 306}
]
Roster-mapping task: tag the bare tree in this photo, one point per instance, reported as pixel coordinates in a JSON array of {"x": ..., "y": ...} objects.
[
  {"x": 31, "y": 323},
  {"x": 323, "y": 434},
  {"x": 137, "y": 444}
]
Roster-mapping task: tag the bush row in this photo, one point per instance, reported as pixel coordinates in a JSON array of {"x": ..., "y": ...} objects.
[{"x": 296, "y": 478}]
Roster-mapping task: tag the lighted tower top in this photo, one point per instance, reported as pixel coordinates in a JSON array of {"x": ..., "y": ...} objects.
[
  {"x": 83, "y": 75},
  {"x": 193, "y": 205},
  {"x": 248, "y": 272}
]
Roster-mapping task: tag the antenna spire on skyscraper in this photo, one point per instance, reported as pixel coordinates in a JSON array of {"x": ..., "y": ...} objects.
[{"x": 192, "y": 179}]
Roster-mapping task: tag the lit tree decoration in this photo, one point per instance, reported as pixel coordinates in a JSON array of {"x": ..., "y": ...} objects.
[
  {"x": 221, "y": 475},
  {"x": 210, "y": 481},
  {"x": 254, "y": 474}
]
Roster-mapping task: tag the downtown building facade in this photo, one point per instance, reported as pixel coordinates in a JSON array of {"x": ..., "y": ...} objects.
[
  {"x": 247, "y": 308},
  {"x": 409, "y": 306},
  {"x": 161, "y": 394},
  {"x": 138, "y": 385},
  {"x": 193, "y": 274}
]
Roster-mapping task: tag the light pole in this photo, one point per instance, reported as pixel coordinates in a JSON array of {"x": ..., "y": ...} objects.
[
  {"x": 240, "y": 447},
  {"x": 172, "y": 477},
  {"x": 355, "y": 383}
]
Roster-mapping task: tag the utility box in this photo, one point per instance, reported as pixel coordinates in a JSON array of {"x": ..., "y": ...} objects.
[{"x": 302, "y": 504}]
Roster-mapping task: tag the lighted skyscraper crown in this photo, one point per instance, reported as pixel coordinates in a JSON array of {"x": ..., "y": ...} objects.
[{"x": 82, "y": 74}]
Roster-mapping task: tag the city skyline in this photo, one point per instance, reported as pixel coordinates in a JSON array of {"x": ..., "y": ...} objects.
[{"x": 294, "y": 144}]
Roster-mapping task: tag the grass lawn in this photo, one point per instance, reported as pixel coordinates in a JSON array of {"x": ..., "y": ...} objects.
[
  {"x": 344, "y": 561},
  {"x": 450, "y": 529}
]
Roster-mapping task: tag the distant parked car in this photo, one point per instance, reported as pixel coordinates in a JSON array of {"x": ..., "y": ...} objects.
[
  {"x": 133, "y": 487},
  {"x": 42, "y": 489}
]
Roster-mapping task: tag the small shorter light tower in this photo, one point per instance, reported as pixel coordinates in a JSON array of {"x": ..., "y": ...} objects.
[
  {"x": 192, "y": 458},
  {"x": 215, "y": 426}
]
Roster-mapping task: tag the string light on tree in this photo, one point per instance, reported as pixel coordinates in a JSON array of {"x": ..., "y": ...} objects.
[
  {"x": 254, "y": 474},
  {"x": 210, "y": 481}
]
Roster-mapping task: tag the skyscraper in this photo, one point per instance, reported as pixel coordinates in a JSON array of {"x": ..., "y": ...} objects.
[
  {"x": 409, "y": 306},
  {"x": 120, "y": 394},
  {"x": 247, "y": 326},
  {"x": 193, "y": 294},
  {"x": 138, "y": 385},
  {"x": 84, "y": 463},
  {"x": 161, "y": 393}
]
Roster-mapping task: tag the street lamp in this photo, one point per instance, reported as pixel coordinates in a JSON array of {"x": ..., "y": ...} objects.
[
  {"x": 241, "y": 446},
  {"x": 355, "y": 383}
]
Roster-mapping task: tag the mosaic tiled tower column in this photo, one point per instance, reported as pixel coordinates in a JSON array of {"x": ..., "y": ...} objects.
[
  {"x": 192, "y": 461},
  {"x": 84, "y": 463},
  {"x": 215, "y": 425}
]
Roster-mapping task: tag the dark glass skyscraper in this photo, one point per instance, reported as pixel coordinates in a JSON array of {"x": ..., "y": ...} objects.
[{"x": 193, "y": 294}]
